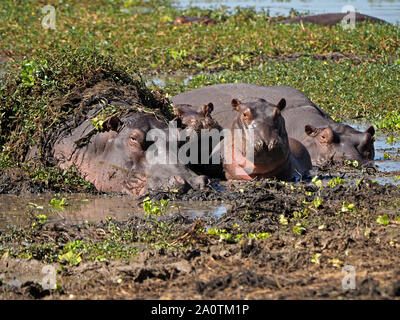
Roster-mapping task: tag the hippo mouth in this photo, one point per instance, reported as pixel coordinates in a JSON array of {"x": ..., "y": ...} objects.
[
  {"x": 269, "y": 152},
  {"x": 268, "y": 161},
  {"x": 135, "y": 184}
]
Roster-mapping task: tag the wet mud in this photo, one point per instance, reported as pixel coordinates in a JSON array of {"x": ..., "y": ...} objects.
[{"x": 297, "y": 250}]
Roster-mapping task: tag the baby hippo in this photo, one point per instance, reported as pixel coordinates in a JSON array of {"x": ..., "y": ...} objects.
[
  {"x": 208, "y": 135},
  {"x": 196, "y": 118}
]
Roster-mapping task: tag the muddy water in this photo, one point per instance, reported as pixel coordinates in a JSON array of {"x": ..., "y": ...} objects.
[
  {"x": 388, "y": 10},
  {"x": 79, "y": 208},
  {"x": 387, "y": 157}
]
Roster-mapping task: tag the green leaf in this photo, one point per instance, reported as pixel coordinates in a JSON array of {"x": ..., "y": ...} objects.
[{"x": 383, "y": 220}]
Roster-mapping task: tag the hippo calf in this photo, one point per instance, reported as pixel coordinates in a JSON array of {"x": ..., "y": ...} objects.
[
  {"x": 325, "y": 139},
  {"x": 199, "y": 119},
  {"x": 330, "y": 19}
]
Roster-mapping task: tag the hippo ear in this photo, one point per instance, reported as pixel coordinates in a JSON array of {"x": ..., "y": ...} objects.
[
  {"x": 177, "y": 112},
  {"x": 371, "y": 131},
  {"x": 311, "y": 130},
  {"x": 114, "y": 123},
  {"x": 235, "y": 103},
  {"x": 276, "y": 114},
  {"x": 281, "y": 104},
  {"x": 207, "y": 109},
  {"x": 326, "y": 135}
]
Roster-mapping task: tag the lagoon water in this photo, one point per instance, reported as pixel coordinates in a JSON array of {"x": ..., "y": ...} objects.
[{"x": 388, "y": 10}]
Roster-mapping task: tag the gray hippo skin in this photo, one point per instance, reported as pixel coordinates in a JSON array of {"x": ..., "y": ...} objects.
[
  {"x": 275, "y": 155},
  {"x": 116, "y": 160},
  {"x": 330, "y": 19},
  {"x": 324, "y": 138}
]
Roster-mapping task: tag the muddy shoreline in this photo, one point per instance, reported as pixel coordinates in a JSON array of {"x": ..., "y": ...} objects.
[{"x": 300, "y": 255}]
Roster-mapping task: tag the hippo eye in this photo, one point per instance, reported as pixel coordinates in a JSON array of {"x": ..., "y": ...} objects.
[{"x": 133, "y": 139}]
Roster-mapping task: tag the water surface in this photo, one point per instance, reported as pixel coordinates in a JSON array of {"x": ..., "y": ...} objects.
[
  {"x": 81, "y": 208},
  {"x": 388, "y": 10}
]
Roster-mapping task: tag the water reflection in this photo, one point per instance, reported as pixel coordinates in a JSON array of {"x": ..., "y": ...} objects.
[{"x": 81, "y": 208}]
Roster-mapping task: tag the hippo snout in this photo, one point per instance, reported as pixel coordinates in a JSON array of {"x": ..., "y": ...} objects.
[
  {"x": 182, "y": 184},
  {"x": 201, "y": 182},
  {"x": 272, "y": 144},
  {"x": 269, "y": 146}
]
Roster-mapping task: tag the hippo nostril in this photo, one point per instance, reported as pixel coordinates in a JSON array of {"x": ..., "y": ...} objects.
[
  {"x": 259, "y": 145},
  {"x": 202, "y": 181},
  {"x": 272, "y": 145},
  {"x": 179, "y": 180}
]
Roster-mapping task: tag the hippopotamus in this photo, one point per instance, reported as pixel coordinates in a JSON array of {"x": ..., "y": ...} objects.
[
  {"x": 188, "y": 20},
  {"x": 197, "y": 119},
  {"x": 119, "y": 158},
  {"x": 330, "y": 19},
  {"x": 325, "y": 139},
  {"x": 259, "y": 124}
]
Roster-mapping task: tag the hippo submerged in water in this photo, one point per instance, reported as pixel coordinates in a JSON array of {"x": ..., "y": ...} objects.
[
  {"x": 189, "y": 20},
  {"x": 331, "y": 19},
  {"x": 325, "y": 139}
]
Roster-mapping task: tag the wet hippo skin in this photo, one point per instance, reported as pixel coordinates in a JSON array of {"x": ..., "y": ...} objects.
[
  {"x": 324, "y": 138},
  {"x": 275, "y": 155},
  {"x": 119, "y": 159}
]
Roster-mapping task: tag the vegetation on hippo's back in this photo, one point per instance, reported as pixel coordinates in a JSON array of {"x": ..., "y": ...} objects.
[
  {"x": 345, "y": 89},
  {"x": 28, "y": 105},
  {"x": 41, "y": 95}
]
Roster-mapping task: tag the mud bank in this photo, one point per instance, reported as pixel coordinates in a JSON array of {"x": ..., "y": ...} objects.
[{"x": 275, "y": 241}]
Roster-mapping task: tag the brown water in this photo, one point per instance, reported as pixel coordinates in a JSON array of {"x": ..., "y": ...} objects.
[{"x": 15, "y": 210}]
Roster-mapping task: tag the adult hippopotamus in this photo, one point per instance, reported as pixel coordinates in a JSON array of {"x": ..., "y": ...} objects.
[
  {"x": 119, "y": 159},
  {"x": 255, "y": 143},
  {"x": 330, "y": 19},
  {"x": 324, "y": 138}
]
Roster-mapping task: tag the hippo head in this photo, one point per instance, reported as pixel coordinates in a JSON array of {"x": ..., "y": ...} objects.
[
  {"x": 196, "y": 118},
  {"x": 116, "y": 160},
  {"x": 338, "y": 143},
  {"x": 264, "y": 127}
]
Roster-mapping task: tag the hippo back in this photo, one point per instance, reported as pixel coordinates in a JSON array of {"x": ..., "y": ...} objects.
[
  {"x": 330, "y": 19},
  {"x": 221, "y": 96}
]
